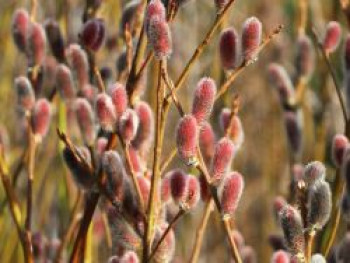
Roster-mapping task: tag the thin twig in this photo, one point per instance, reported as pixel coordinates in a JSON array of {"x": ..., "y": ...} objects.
[
  {"x": 232, "y": 242},
  {"x": 167, "y": 230},
  {"x": 309, "y": 242},
  {"x": 155, "y": 170},
  {"x": 168, "y": 160},
  {"x": 201, "y": 230},
  {"x": 333, "y": 74}
]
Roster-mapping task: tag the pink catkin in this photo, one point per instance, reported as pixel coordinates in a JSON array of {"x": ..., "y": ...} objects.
[
  {"x": 25, "y": 93},
  {"x": 154, "y": 8},
  {"x": 20, "y": 25},
  {"x": 313, "y": 172},
  {"x": 236, "y": 133},
  {"x": 119, "y": 98},
  {"x": 230, "y": 192},
  {"x": 251, "y": 38},
  {"x": 186, "y": 138},
  {"x": 145, "y": 131},
  {"x": 280, "y": 256},
  {"x": 128, "y": 124},
  {"x": 281, "y": 80},
  {"x": 78, "y": 62},
  {"x": 203, "y": 100},
  {"x": 145, "y": 187},
  {"x": 101, "y": 145},
  {"x": 93, "y": 34},
  {"x": 36, "y": 44},
  {"x": 193, "y": 192},
  {"x": 332, "y": 37},
  {"x": 165, "y": 189},
  {"x": 207, "y": 141},
  {"x": 178, "y": 186},
  {"x": 305, "y": 57},
  {"x": 339, "y": 145},
  {"x": 64, "y": 82},
  {"x": 85, "y": 119},
  {"x": 41, "y": 117},
  {"x": 228, "y": 47},
  {"x": 293, "y": 128},
  {"x": 105, "y": 111},
  {"x": 135, "y": 160},
  {"x": 129, "y": 257},
  {"x": 224, "y": 152},
  {"x": 159, "y": 37}
]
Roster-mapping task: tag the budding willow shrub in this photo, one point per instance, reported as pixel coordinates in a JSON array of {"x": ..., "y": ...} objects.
[{"x": 146, "y": 131}]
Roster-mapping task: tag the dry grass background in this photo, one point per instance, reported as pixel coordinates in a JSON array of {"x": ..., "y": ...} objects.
[{"x": 263, "y": 159}]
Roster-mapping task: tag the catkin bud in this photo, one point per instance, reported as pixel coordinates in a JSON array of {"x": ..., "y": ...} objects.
[
  {"x": 78, "y": 62},
  {"x": 248, "y": 255},
  {"x": 25, "y": 93},
  {"x": 278, "y": 203},
  {"x": 145, "y": 187},
  {"x": 318, "y": 258},
  {"x": 294, "y": 130},
  {"x": 55, "y": 39},
  {"x": 186, "y": 139},
  {"x": 339, "y": 144},
  {"x": 101, "y": 145},
  {"x": 207, "y": 142},
  {"x": 119, "y": 98},
  {"x": 154, "y": 8},
  {"x": 159, "y": 37},
  {"x": 305, "y": 57},
  {"x": 228, "y": 47},
  {"x": 347, "y": 53},
  {"x": 41, "y": 117},
  {"x": 114, "y": 169},
  {"x": 178, "y": 186},
  {"x": 220, "y": 4},
  {"x": 166, "y": 250},
  {"x": 193, "y": 192},
  {"x": 332, "y": 37},
  {"x": 36, "y": 42},
  {"x": 165, "y": 188},
  {"x": 277, "y": 242},
  {"x": 105, "y": 111},
  {"x": 20, "y": 25},
  {"x": 128, "y": 124},
  {"x": 314, "y": 172},
  {"x": 280, "y": 256},
  {"x": 129, "y": 257},
  {"x": 144, "y": 135},
  {"x": 319, "y": 205},
  {"x": 281, "y": 80},
  {"x": 292, "y": 227},
  {"x": 93, "y": 34},
  {"x": 203, "y": 100},
  {"x": 251, "y": 38},
  {"x": 64, "y": 82},
  {"x": 85, "y": 119},
  {"x": 123, "y": 234},
  {"x": 129, "y": 14},
  {"x": 230, "y": 192},
  {"x": 235, "y": 133},
  {"x": 81, "y": 172},
  {"x": 222, "y": 159}
]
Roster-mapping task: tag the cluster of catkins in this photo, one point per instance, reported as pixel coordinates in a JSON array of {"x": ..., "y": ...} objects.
[
  {"x": 309, "y": 215},
  {"x": 291, "y": 90}
]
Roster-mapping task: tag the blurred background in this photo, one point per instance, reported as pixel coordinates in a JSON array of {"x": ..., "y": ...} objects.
[{"x": 264, "y": 159}]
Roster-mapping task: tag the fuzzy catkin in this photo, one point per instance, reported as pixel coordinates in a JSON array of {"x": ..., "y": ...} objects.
[
  {"x": 186, "y": 138},
  {"x": 228, "y": 48},
  {"x": 85, "y": 119}
]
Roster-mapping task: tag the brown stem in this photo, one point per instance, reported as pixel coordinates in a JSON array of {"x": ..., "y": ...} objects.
[
  {"x": 72, "y": 225},
  {"x": 167, "y": 230},
  {"x": 201, "y": 230},
  {"x": 309, "y": 242},
  {"x": 168, "y": 160},
  {"x": 233, "y": 246},
  {"x": 155, "y": 170},
  {"x": 302, "y": 16}
]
